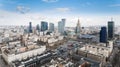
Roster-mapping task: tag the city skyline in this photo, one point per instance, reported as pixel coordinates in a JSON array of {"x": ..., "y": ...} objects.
[
  {"x": 59, "y": 33},
  {"x": 90, "y": 13}
]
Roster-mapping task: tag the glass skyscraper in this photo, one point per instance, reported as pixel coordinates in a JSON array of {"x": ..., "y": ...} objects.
[
  {"x": 110, "y": 30},
  {"x": 44, "y": 26},
  {"x": 38, "y": 27},
  {"x": 103, "y": 35},
  {"x": 30, "y": 27},
  {"x": 61, "y": 26},
  {"x": 51, "y": 27}
]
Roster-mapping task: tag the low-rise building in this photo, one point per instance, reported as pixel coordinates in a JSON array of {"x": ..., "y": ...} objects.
[
  {"x": 14, "y": 52},
  {"x": 100, "y": 49}
]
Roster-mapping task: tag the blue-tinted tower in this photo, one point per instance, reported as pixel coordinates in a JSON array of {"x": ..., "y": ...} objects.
[
  {"x": 44, "y": 26},
  {"x": 103, "y": 35},
  {"x": 30, "y": 27}
]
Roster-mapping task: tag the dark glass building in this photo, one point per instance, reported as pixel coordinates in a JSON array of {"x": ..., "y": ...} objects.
[
  {"x": 30, "y": 27},
  {"x": 103, "y": 35},
  {"x": 44, "y": 26},
  {"x": 110, "y": 30}
]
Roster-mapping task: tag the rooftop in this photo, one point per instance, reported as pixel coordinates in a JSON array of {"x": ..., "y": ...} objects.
[{"x": 16, "y": 48}]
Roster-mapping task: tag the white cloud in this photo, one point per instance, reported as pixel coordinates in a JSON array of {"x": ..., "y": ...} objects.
[
  {"x": 50, "y": 1},
  {"x": 115, "y": 5},
  {"x": 23, "y": 9},
  {"x": 12, "y": 18},
  {"x": 63, "y": 9}
]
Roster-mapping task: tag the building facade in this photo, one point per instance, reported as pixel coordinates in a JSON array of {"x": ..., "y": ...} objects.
[
  {"x": 110, "y": 30},
  {"x": 103, "y": 35},
  {"x": 51, "y": 27},
  {"x": 23, "y": 55},
  {"x": 30, "y": 27},
  {"x": 78, "y": 28},
  {"x": 44, "y": 26},
  {"x": 38, "y": 27},
  {"x": 61, "y": 26}
]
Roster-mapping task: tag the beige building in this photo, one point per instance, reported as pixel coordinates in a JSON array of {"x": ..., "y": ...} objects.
[
  {"x": 10, "y": 54},
  {"x": 98, "y": 49}
]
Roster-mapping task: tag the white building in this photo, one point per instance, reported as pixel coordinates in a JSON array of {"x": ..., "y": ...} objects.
[
  {"x": 98, "y": 49},
  {"x": 21, "y": 53}
]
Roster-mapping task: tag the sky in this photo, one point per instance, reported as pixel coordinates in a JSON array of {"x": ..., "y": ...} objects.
[{"x": 90, "y": 12}]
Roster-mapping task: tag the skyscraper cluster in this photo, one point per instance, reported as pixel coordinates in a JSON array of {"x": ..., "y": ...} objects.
[
  {"x": 44, "y": 27},
  {"x": 107, "y": 33}
]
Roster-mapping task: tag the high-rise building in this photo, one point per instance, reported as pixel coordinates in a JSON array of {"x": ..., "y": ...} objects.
[
  {"x": 78, "y": 28},
  {"x": 44, "y": 26},
  {"x": 38, "y": 28},
  {"x": 51, "y": 27},
  {"x": 30, "y": 27},
  {"x": 63, "y": 21},
  {"x": 110, "y": 29},
  {"x": 61, "y": 26},
  {"x": 103, "y": 35}
]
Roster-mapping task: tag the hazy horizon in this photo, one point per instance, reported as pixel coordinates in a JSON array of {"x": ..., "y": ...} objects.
[{"x": 90, "y": 12}]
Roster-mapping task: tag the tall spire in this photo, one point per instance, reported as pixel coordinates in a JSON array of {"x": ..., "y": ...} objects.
[
  {"x": 78, "y": 22},
  {"x": 78, "y": 28}
]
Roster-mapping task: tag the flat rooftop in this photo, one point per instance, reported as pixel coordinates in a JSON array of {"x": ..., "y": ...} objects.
[{"x": 13, "y": 49}]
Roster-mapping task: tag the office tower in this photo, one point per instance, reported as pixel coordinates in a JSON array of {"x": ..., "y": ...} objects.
[
  {"x": 63, "y": 21},
  {"x": 51, "y": 27},
  {"x": 30, "y": 27},
  {"x": 44, "y": 26},
  {"x": 61, "y": 26},
  {"x": 38, "y": 28},
  {"x": 78, "y": 28},
  {"x": 110, "y": 29},
  {"x": 103, "y": 35}
]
